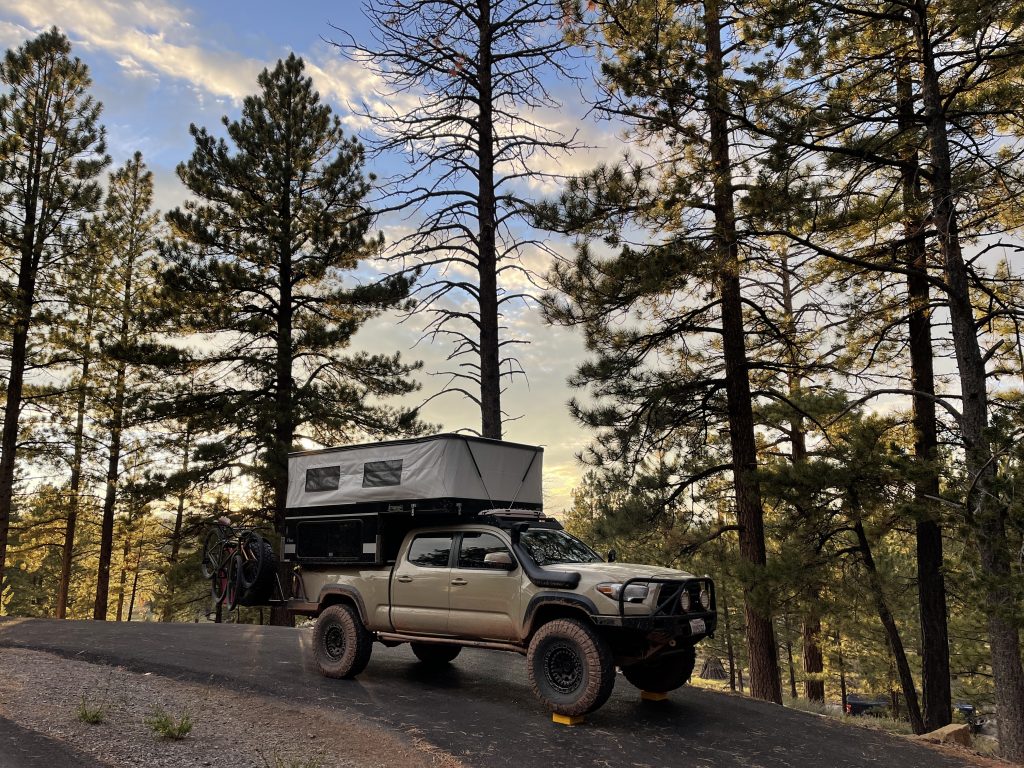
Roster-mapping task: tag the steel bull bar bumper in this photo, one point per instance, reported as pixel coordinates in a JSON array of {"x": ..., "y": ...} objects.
[{"x": 670, "y": 613}]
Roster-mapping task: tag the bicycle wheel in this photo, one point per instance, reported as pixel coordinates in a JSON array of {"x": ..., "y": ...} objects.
[
  {"x": 253, "y": 558},
  {"x": 219, "y": 582},
  {"x": 233, "y": 580},
  {"x": 213, "y": 551}
]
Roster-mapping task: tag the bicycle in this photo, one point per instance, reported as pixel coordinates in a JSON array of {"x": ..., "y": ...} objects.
[{"x": 239, "y": 565}]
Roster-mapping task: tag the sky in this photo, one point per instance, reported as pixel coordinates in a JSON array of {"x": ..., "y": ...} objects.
[{"x": 157, "y": 67}]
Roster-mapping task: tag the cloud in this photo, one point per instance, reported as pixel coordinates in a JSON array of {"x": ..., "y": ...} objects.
[{"x": 156, "y": 39}]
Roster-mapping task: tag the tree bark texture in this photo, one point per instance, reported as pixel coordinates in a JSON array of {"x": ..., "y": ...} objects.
[
  {"x": 814, "y": 663},
  {"x": 986, "y": 515},
  {"x": 487, "y": 266},
  {"x": 284, "y": 417},
  {"x": 892, "y": 633},
  {"x": 74, "y": 491},
  {"x": 931, "y": 588},
  {"x": 99, "y": 612},
  {"x": 762, "y": 651},
  {"x": 167, "y": 611}
]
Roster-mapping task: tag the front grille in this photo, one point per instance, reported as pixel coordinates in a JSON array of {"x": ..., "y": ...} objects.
[{"x": 670, "y": 598}]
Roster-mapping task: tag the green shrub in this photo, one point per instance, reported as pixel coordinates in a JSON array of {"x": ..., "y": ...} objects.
[
  {"x": 91, "y": 714},
  {"x": 166, "y": 726}
]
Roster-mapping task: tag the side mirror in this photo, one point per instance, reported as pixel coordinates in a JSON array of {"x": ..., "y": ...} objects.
[
  {"x": 501, "y": 561},
  {"x": 612, "y": 555}
]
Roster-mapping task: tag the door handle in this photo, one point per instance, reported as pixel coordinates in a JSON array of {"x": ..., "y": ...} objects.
[
  {"x": 403, "y": 579},
  {"x": 459, "y": 582}
]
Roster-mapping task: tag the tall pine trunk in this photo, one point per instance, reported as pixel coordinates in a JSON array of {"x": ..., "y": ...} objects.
[
  {"x": 131, "y": 254},
  {"x": 167, "y": 611},
  {"x": 24, "y": 301},
  {"x": 74, "y": 491},
  {"x": 284, "y": 417},
  {"x": 487, "y": 266},
  {"x": 986, "y": 515},
  {"x": 814, "y": 663},
  {"x": 892, "y": 633},
  {"x": 931, "y": 587},
  {"x": 99, "y": 611},
  {"x": 762, "y": 651}
]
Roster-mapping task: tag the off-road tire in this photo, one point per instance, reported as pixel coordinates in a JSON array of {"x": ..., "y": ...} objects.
[
  {"x": 663, "y": 674},
  {"x": 570, "y": 667},
  {"x": 341, "y": 644},
  {"x": 435, "y": 654}
]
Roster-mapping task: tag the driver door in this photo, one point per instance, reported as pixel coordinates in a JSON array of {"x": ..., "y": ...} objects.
[{"x": 485, "y": 598}]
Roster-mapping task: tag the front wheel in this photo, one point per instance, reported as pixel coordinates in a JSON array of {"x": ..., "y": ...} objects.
[
  {"x": 570, "y": 667},
  {"x": 341, "y": 644},
  {"x": 435, "y": 654},
  {"x": 662, "y": 674}
]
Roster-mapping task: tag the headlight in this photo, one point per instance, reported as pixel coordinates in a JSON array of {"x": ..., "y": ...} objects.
[
  {"x": 705, "y": 597},
  {"x": 635, "y": 593},
  {"x": 684, "y": 601}
]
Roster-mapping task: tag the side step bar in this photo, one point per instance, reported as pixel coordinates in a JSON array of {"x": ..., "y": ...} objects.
[{"x": 397, "y": 637}]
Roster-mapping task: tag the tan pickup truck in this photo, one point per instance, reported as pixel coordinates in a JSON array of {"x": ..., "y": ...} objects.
[{"x": 506, "y": 579}]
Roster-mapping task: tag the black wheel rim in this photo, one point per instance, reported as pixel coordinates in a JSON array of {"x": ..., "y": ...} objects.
[
  {"x": 334, "y": 641},
  {"x": 563, "y": 669}
]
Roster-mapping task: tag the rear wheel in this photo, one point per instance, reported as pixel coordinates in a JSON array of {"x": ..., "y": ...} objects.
[
  {"x": 570, "y": 667},
  {"x": 435, "y": 654},
  {"x": 662, "y": 674},
  {"x": 233, "y": 582},
  {"x": 341, "y": 644}
]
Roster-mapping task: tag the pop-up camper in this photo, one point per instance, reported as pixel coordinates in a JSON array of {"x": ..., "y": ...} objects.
[{"x": 353, "y": 504}]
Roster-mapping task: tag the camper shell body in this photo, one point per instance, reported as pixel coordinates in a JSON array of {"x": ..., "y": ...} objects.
[{"x": 354, "y": 504}]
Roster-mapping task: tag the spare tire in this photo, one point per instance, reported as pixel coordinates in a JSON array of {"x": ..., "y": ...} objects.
[{"x": 259, "y": 573}]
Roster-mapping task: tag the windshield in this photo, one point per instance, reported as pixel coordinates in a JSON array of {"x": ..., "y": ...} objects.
[{"x": 547, "y": 547}]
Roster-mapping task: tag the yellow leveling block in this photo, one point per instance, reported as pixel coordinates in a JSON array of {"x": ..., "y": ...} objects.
[
  {"x": 566, "y": 719},
  {"x": 651, "y": 696}
]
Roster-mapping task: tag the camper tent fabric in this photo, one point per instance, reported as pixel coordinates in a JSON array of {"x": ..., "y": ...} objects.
[{"x": 438, "y": 467}]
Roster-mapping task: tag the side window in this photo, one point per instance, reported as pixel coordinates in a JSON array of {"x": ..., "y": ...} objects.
[
  {"x": 476, "y": 546},
  {"x": 431, "y": 550},
  {"x": 320, "y": 479}
]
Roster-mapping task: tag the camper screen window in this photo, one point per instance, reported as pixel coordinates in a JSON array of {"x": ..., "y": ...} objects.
[
  {"x": 329, "y": 539},
  {"x": 378, "y": 474},
  {"x": 322, "y": 479}
]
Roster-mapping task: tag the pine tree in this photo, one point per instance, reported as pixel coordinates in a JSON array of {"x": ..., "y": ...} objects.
[
  {"x": 667, "y": 72},
  {"x": 128, "y": 233},
  {"x": 473, "y": 140},
  {"x": 51, "y": 150},
  {"x": 259, "y": 257}
]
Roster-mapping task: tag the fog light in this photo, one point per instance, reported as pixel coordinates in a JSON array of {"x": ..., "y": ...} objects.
[
  {"x": 705, "y": 599},
  {"x": 685, "y": 601}
]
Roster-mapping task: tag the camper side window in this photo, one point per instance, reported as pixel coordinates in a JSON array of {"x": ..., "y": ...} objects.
[
  {"x": 322, "y": 479},
  {"x": 431, "y": 550},
  {"x": 380, "y": 474}
]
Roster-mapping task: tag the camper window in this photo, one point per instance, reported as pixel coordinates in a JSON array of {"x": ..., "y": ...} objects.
[
  {"x": 379, "y": 474},
  {"x": 322, "y": 479}
]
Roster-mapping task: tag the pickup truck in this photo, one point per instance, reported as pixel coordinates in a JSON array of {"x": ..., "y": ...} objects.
[{"x": 507, "y": 579}]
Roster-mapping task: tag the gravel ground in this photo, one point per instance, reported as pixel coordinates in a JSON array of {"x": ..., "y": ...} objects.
[{"x": 44, "y": 693}]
